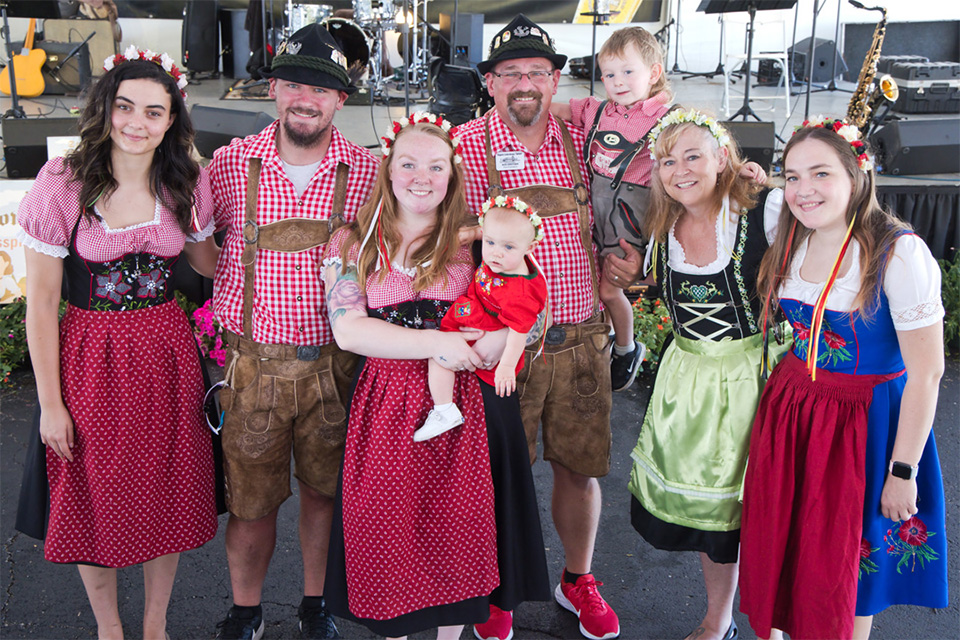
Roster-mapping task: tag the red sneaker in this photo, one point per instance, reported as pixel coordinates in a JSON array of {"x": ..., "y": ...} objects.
[
  {"x": 597, "y": 620},
  {"x": 498, "y": 627}
]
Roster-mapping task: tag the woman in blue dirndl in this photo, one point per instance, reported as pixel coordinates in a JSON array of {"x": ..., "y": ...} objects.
[{"x": 843, "y": 500}]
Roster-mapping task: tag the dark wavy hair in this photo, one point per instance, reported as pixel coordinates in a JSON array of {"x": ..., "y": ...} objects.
[{"x": 174, "y": 172}]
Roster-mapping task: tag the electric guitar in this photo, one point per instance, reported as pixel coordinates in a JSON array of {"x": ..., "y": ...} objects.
[{"x": 27, "y": 66}]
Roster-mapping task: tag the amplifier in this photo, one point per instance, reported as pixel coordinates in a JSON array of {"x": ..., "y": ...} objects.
[
  {"x": 755, "y": 139},
  {"x": 73, "y": 74},
  {"x": 912, "y": 147},
  {"x": 25, "y": 142}
]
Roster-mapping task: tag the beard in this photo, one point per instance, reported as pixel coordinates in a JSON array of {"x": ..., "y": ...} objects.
[
  {"x": 525, "y": 116},
  {"x": 303, "y": 137}
]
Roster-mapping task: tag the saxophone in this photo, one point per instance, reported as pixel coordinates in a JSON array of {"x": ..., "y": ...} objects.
[{"x": 870, "y": 94}]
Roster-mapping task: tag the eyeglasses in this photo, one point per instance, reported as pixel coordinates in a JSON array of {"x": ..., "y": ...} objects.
[{"x": 513, "y": 77}]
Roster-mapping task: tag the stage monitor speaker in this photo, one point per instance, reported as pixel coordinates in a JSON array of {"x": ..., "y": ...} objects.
[
  {"x": 912, "y": 147},
  {"x": 200, "y": 36},
  {"x": 468, "y": 48},
  {"x": 216, "y": 127},
  {"x": 25, "y": 142},
  {"x": 824, "y": 53},
  {"x": 74, "y": 74},
  {"x": 755, "y": 139}
]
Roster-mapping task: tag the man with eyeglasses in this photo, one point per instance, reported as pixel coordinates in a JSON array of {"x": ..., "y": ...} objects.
[{"x": 519, "y": 149}]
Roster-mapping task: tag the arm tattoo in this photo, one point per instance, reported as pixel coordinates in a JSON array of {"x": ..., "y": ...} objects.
[
  {"x": 537, "y": 330},
  {"x": 345, "y": 294}
]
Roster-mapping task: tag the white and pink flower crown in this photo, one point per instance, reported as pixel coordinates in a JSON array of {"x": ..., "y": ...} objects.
[
  {"x": 418, "y": 117},
  {"x": 161, "y": 59},
  {"x": 518, "y": 205},
  {"x": 846, "y": 131}
]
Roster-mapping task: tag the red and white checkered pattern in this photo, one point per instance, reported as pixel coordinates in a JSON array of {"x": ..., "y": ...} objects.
[
  {"x": 632, "y": 123},
  {"x": 50, "y": 210},
  {"x": 288, "y": 304},
  {"x": 561, "y": 255}
]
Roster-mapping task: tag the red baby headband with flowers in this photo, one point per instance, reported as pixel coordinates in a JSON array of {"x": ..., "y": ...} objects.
[{"x": 164, "y": 61}]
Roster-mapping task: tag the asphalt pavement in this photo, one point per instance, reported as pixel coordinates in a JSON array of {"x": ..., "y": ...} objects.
[{"x": 656, "y": 594}]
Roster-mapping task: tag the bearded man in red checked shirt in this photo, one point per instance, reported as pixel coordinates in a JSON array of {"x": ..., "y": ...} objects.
[
  {"x": 279, "y": 194},
  {"x": 520, "y": 149}
]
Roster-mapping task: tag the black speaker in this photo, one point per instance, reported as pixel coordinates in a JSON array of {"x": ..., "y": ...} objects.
[
  {"x": 236, "y": 43},
  {"x": 824, "y": 54},
  {"x": 200, "y": 36},
  {"x": 468, "y": 48},
  {"x": 25, "y": 142},
  {"x": 216, "y": 127},
  {"x": 911, "y": 147},
  {"x": 755, "y": 139}
]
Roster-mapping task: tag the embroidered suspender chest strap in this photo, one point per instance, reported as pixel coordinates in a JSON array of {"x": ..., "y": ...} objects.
[
  {"x": 622, "y": 161},
  {"x": 550, "y": 200},
  {"x": 292, "y": 235}
]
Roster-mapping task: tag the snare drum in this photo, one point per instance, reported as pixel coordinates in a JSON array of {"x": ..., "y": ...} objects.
[
  {"x": 302, "y": 15},
  {"x": 354, "y": 41}
]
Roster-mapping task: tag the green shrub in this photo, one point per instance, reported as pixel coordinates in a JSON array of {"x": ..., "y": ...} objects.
[
  {"x": 13, "y": 330},
  {"x": 950, "y": 292}
]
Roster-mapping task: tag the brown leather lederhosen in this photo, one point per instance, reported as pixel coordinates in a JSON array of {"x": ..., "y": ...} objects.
[
  {"x": 292, "y": 235},
  {"x": 281, "y": 395},
  {"x": 576, "y": 418}
]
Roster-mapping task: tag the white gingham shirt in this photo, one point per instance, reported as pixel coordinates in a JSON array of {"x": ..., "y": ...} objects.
[
  {"x": 288, "y": 303},
  {"x": 561, "y": 255}
]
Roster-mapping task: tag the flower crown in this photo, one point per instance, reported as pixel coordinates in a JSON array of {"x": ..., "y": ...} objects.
[
  {"x": 848, "y": 132},
  {"x": 679, "y": 116},
  {"x": 162, "y": 59},
  {"x": 416, "y": 118},
  {"x": 518, "y": 205}
]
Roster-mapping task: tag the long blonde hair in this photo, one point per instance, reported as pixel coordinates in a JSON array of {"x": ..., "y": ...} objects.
[
  {"x": 664, "y": 210},
  {"x": 875, "y": 229},
  {"x": 440, "y": 245}
]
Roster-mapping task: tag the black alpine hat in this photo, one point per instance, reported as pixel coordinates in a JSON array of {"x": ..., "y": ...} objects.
[
  {"x": 311, "y": 56},
  {"x": 522, "y": 38}
]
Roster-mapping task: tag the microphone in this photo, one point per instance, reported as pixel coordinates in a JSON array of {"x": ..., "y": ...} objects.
[{"x": 73, "y": 52}]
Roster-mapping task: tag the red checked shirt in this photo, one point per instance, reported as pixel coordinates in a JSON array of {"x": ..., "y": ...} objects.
[
  {"x": 561, "y": 254},
  {"x": 288, "y": 303},
  {"x": 632, "y": 123}
]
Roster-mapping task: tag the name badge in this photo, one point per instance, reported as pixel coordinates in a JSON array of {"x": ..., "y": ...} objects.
[{"x": 510, "y": 160}]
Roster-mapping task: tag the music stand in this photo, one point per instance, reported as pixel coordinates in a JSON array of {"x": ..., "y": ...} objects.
[{"x": 751, "y": 7}]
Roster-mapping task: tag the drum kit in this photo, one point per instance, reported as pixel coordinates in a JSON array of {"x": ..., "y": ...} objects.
[{"x": 364, "y": 34}]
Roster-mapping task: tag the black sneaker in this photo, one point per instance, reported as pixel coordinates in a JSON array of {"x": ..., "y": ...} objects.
[
  {"x": 623, "y": 369},
  {"x": 235, "y": 627},
  {"x": 317, "y": 623}
]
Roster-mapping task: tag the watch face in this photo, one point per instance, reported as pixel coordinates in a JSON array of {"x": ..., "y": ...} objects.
[{"x": 901, "y": 470}]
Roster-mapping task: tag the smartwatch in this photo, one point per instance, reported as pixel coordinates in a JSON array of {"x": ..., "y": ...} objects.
[{"x": 903, "y": 470}]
